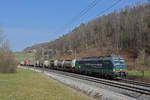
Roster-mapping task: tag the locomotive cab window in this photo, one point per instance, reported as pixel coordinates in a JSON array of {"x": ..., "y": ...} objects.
[{"x": 119, "y": 64}]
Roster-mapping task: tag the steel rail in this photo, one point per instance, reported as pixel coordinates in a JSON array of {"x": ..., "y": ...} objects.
[
  {"x": 126, "y": 86},
  {"x": 122, "y": 85},
  {"x": 135, "y": 82}
]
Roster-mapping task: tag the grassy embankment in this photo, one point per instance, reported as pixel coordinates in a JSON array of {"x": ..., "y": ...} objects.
[
  {"x": 139, "y": 74},
  {"x": 24, "y": 56},
  {"x": 29, "y": 85}
]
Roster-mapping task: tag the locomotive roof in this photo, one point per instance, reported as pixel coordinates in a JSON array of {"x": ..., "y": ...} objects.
[
  {"x": 113, "y": 58},
  {"x": 102, "y": 58}
]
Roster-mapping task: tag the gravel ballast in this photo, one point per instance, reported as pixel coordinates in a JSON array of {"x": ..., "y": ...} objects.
[{"x": 90, "y": 88}]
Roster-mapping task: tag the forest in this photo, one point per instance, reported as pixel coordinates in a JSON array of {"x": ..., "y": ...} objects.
[{"x": 127, "y": 30}]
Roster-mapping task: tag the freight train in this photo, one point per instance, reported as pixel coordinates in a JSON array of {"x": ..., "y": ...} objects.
[{"x": 107, "y": 67}]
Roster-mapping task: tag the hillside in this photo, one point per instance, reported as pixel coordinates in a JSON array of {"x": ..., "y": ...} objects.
[
  {"x": 22, "y": 56},
  {"x": 123, "y": 33}
]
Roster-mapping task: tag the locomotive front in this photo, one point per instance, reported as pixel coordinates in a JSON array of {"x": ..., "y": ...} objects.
[{"x": 119, "y": 67}]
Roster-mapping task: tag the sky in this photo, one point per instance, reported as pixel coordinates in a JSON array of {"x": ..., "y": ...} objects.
[{"x": 28, "y": 22}]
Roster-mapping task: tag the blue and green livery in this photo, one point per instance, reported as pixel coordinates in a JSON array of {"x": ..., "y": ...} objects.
[{"x": 110, "y": 67}]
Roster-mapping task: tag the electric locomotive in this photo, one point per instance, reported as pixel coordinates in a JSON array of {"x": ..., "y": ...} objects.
[{"x": 108, "y": 67}]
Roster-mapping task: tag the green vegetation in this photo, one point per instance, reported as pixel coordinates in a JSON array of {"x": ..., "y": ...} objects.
[
  {"x": 24, "y": 56},
  {"x": 29, "y": 85},
  {"x": 138, "y": 73}
]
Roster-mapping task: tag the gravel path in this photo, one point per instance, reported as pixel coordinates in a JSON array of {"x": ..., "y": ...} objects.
[{"x": 99, "y": 91}]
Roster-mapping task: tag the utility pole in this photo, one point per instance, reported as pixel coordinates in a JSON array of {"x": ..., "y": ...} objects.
[
  {"x": 43, "y": 59},
  {"x": 75, "y": 54},
  {"x": 34, "y": 51},
  {"x": 34, "y": 61}
]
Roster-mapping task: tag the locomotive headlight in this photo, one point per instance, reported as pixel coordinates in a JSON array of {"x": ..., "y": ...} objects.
[{"x": 114, "y": 69}]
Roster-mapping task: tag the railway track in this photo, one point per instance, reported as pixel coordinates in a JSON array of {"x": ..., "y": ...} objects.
[
  {"x": 144, "y": 84},
  {"x": 135, "y": 83},
  {"x": 122, "y": 85},
  {"x": 130, "y": 85}
]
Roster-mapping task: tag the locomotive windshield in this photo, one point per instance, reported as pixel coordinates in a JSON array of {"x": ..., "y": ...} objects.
[{"x": 120, "y": 63}]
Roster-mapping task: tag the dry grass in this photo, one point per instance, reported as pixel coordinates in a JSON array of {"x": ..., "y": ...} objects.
[{"x": 29, "y": 85}]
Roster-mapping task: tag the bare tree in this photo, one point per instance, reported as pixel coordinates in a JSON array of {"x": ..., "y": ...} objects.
[
  {"x": 7, "y": 62},
  {"x": 127, "y": 30}
]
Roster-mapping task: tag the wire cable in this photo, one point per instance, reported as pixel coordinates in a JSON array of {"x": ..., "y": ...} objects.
[
  {"x": 82, "y": 13},
  {"x": 110, "y": 7}
]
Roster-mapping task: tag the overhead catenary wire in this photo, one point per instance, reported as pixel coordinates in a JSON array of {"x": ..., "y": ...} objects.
[
  {"x": 85, "y": 11},
  {"x": 91, "y": 5},
  {"x": 82, "y": 13},
  {"x": 110, "y": 7}
]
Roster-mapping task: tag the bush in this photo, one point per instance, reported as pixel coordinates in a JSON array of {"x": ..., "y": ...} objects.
[{"x": 8, "y": 63}]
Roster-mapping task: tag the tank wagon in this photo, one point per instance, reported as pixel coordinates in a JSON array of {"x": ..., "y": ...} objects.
[
  {"x": 39, "y": 63},
  {"x": 52, "y": 64},
  {"x": 59, "y": 64},
  {"x": 32, "y": 63},
  {"x": 22, "y": 63},
  {"x": 67, "y": 65},
  {"x": 46, "y": 64},
  {"x": 55, "y": 64}
]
